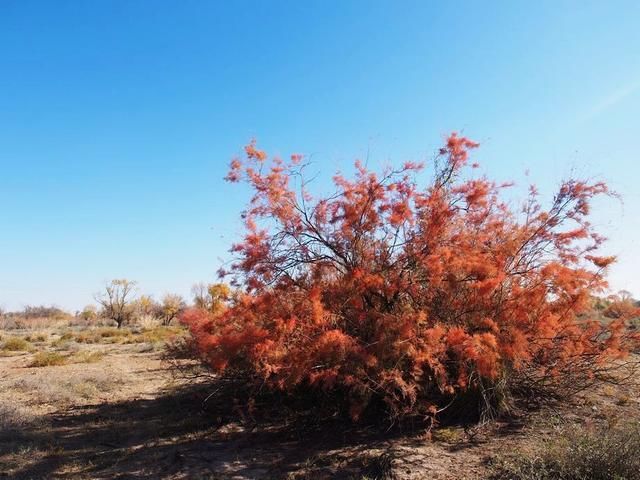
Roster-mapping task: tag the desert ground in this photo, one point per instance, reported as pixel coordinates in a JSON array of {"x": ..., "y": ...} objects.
[{"x": 99, "y": 403}]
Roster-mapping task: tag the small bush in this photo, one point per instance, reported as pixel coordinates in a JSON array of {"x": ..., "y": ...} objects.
[
  {"x": 48, "y": 359},
  {"x": 13, "y": 417},
  {"x": 599, "y": 454},
  {"x": 103, "y": 335},
  {"x": 87, "y": 357},
  {"x": 108, "y": 332},
  {"x": 147, "y": 321},
  {"x": 36, "y": 337},
  {"x": 446, "y": 435},
  {"x": 160, "y": 334},
  {"x": 16, "y": 344}
]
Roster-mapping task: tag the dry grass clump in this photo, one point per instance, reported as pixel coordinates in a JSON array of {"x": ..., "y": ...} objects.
[
  {"x": 65, "y": 344},
  {"x": 102, "y": 335},
  {"x": 48, "y": 359},
  {"x": 66, "y": 336},
  {"x": 53, "y": 358},
  {"x": 606, "y": 453},
  {"x": 85, "y": 356},
  {"x": 13, "y": 417},
  {"x": 16, "y": 344},
  {"x": 38, "y": 337},
  {"x": 156, "y": 335},
  {"x": 147, "y": 321},
  {"x": 112, "y": 335},
  {"x": 67, "y": 390}
]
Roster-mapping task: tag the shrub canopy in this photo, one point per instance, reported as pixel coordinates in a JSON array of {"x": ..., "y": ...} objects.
[{"x": 408, "y": 293}]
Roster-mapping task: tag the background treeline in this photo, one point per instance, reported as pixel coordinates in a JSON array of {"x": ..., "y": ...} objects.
[{"x": 117, "y": 304}]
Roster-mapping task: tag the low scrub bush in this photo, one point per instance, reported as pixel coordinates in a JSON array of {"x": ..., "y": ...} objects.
[
  {"x": 37, "y": 337},
  {"x": 577, "y": 454},
  {"x": 16, "y": 344},
  {"x": 103, "y": 335},
  {"x": 13, "y": 417},
  {"x": 160, "y": 334},
  {"x": 85, "y": 356},
  {"x": 48, "y": 359},
  {"x": 404, "y": 295}
]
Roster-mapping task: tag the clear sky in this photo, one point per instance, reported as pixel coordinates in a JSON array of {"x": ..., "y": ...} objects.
[{"x": 118, "y": 118}]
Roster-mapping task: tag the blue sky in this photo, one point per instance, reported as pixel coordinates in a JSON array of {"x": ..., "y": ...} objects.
[{"x": 118, "y": 118}]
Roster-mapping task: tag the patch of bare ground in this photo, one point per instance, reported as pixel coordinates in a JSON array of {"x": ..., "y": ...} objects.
[{"x": 125, "y": 414}]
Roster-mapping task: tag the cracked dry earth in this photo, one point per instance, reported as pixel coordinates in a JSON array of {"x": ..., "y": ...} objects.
[{"x": 128, "y": 416}]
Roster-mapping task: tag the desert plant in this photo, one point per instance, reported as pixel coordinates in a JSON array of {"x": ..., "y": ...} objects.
[
  {"x": 48, "y": 359},
  {"x": 87, "y": 357},
  {"x": 16, "y": 344},
  {"x": 391, "y": 292},
  {"x": 36, "y": 337},
  {"x": 606, "y": 453},
  {"x": 14, "y": 418}
]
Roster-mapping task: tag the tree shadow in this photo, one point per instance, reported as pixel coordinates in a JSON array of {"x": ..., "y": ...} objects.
[
  {"x": 212, "y": 430},
  {"x": 172, "y": 436}
]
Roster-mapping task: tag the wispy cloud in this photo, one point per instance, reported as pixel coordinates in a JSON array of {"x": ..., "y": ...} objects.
[{"x": 612, "y": 99}]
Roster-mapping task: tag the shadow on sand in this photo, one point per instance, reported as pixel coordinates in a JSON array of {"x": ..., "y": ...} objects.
[{"x": 172, "y": 436}]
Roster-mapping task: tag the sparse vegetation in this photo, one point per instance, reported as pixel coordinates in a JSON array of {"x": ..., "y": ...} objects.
[
  {"x": 606, "y": 453},
  {"x": 85, "y": 356}
]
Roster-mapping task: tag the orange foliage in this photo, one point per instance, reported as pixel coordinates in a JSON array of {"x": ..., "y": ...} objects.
[{"x": 408, "y": 294}]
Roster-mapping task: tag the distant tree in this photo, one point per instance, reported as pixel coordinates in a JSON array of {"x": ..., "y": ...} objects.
[
  {"x": 116, "y": 300},
  {"x": 144, "y": 306},
  {"x": 169, "y": 308},
  {"x": 210, "y": 297},
  {"x": 200, "y": 294},
  {"x": 622, "y": 305},
  {"x": 89, "y": 313}
]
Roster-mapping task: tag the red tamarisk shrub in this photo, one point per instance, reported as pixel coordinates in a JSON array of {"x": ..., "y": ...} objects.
[{"x": 408, "y": 295}]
